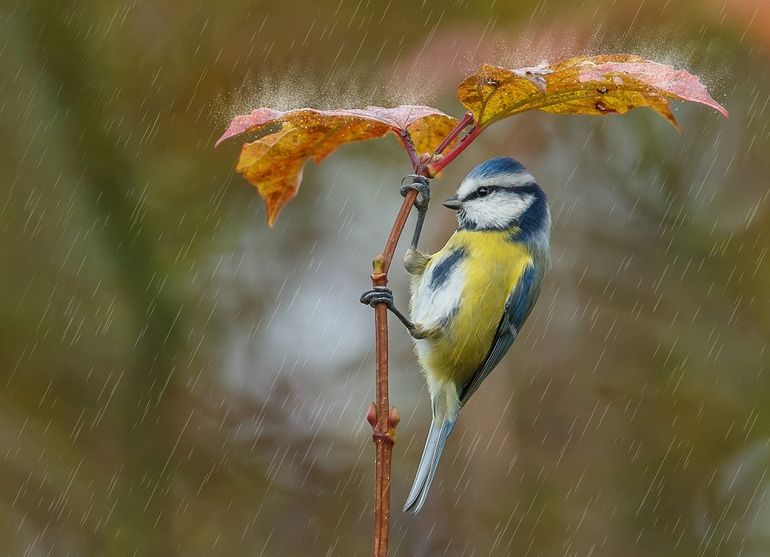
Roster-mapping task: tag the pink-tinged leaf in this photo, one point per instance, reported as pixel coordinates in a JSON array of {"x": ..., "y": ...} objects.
[
  {"x": 248, "y": 122},
  {"x": 679, "y": 84},
  {"x": 273, "y": 163},
  {"x": 604, "y": 84}
]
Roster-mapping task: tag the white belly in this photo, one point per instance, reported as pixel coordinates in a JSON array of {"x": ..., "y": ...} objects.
[{"x": 434, "y": 305}]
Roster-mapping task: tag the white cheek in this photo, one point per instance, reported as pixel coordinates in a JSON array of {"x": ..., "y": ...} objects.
[{"x": 496, "y": 212}]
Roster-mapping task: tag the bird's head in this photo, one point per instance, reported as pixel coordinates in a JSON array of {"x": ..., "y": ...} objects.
[{"x": 500, "y": 194}]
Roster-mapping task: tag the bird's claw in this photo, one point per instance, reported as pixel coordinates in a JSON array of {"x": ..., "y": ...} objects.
[
  {"x": 378, "y": 295},
  {"x": 384, "y": 295},
  {"x": 421, "y": 185}
]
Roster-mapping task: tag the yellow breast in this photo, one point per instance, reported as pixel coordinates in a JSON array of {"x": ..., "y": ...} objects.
[{"x": 491, "y": 268}]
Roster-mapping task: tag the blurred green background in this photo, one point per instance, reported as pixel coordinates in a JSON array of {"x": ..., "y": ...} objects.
[{"x": 177, "y": 379}]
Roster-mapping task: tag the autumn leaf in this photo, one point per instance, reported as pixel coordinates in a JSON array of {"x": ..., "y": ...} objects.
[
  {"x": 286, "y": 140},
  {"x": 598, "y": 85},
  {"x": 606, "y": 84}
]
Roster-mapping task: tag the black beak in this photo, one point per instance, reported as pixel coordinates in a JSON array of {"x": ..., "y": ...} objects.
[{"x": 453, "y": 203}]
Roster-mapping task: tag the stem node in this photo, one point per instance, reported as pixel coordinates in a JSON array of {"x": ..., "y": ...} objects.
[
  {"x": 371, "y": 415},
  {"x": 393, "y": 419},
  {"x": 380, "y": 273}
]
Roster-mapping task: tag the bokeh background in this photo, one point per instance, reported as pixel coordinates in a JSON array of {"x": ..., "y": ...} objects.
[{"x": 178, "y": 379}]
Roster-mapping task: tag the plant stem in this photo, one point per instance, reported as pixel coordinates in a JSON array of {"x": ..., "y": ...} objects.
[
  {"x": 461, "y": 125},
  {"x": 436, "y": 167},
  {"x": 381, "y": 417},
  {"x": 406, "y": 141}
]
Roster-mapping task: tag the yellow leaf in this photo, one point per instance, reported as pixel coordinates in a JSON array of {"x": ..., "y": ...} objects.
[
  {"x": 274, "y": 162},
  {"x": 605, "y": 84}
]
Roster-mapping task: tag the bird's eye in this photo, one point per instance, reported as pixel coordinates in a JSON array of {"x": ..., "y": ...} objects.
[{"x": 482, "y": 191}]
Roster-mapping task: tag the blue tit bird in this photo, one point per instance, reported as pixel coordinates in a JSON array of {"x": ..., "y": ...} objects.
[{"x": 470, "y": 299}]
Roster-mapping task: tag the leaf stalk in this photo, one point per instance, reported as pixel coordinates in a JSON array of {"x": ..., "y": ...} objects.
[{"x": 442, "y": 162}]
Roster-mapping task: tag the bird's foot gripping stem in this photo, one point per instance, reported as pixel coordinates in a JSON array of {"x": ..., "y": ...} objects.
[
  {"x": 384, "y": 295},
  {"x": 421, "y": 185}
]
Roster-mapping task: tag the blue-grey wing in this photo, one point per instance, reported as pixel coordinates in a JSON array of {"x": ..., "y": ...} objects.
[{"x": 517, "y": 308}]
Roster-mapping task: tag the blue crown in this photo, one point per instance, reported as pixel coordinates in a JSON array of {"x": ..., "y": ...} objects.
[{"x": 496, "y": 166}]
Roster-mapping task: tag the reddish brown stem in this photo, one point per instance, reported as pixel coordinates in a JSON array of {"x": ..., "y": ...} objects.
[
  {"x": 382, "y": 418},
  {"x": 436, "y": 167},
  {"x": 406, "y": 141},
  {"x": 461, "y": 125}
]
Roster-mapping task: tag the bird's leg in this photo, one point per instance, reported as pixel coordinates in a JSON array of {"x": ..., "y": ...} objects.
[
  {"x": 422, "y": 185},
  {"x": 384, "y": 295}
]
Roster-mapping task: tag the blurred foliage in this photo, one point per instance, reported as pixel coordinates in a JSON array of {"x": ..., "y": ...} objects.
[{"x": 176, "y": 379}]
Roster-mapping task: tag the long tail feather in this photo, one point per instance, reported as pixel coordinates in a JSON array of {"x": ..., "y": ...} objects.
[{"x": 437, "y": 436}]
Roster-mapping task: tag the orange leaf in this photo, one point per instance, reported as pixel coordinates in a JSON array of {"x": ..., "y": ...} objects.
[
  {"x": 274, "y": 162},
  {"x": 599, "y": 85}
]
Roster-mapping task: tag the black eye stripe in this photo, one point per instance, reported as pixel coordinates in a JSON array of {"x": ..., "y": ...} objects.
[
  {"x": 527, "y": 187},
  {"x": 475, "y": 193},
  {"x": 530, "y": 188}
]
